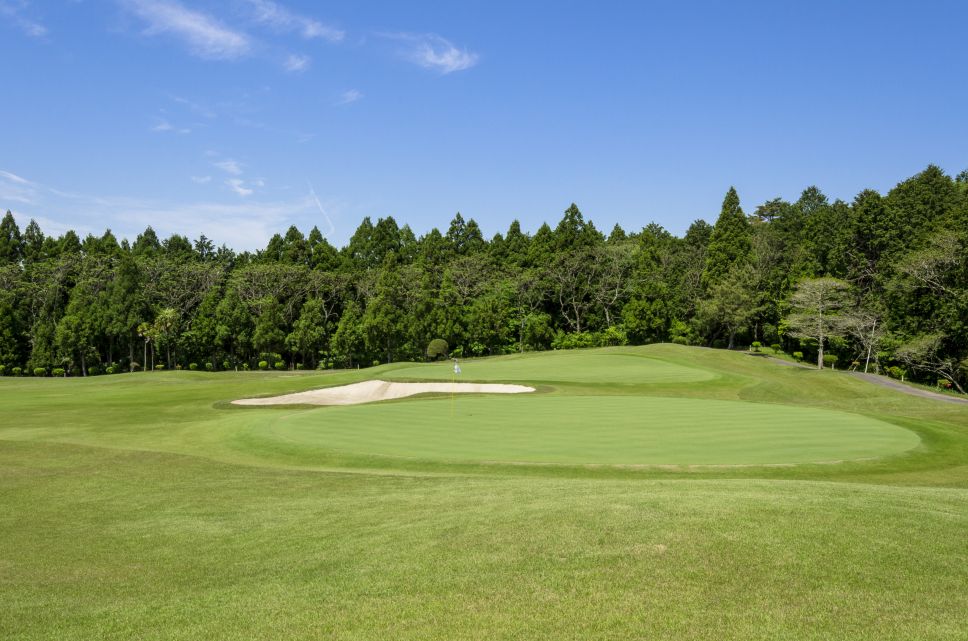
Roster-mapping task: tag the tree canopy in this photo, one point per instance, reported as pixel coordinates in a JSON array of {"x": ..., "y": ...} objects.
[{"x": 881, "y": 280}]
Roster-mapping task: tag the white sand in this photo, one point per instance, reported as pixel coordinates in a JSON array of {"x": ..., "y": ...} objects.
[{"x": 370, "y": 391}]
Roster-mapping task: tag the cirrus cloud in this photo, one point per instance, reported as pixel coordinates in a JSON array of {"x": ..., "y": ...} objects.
[
  {"x": 205, "y": 36},
  {"x": 432, "y": 51}
]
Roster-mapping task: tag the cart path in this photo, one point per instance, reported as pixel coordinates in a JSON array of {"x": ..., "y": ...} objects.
[
  {"x": 890, "y": 383},
  {"x": 883, "y": 381}
]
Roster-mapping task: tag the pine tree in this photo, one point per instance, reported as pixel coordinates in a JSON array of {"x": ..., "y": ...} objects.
[
  {"x": 11, "y": 243},
  {"x": 729, "y": 245}
]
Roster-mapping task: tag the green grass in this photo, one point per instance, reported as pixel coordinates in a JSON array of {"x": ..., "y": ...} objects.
[
  {"x": 145, "y": 507},
  {"x": 627, "y": 430},
  {"x": 562, "y": 367}
]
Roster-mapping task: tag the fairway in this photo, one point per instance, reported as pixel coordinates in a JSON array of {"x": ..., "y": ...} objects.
[
  {"x": 594, "y": 430},
  {"x": 595, "y": 366},
  {"x": 660, "y": 492}
]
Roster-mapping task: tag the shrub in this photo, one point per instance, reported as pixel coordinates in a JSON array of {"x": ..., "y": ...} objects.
[
  {"x": 719, "y": 344},
  {"x": 193, "y": 366},
  {"x": 775, "y": 347},
  {"x": 40, "y": 371},
  {"x": 245, "y": 367},
  {"x": 830, "y": 360},
  {"x": 572, "y": 340},
  {"x": 93, "y": 370},
  {"x": 159, "y": 367},
  {"x": 299, "y": 366},
  {"x": 226, "y": 364},
  {"x": 17, "y": 371},
  {"x": 57, "y": 371},
  {"x": 280, "y": 365},
  {"x": 614, "y": 335},
  {"x": 135, "y": 367},
  {"x": 178, "y": 367},
  {"x": 3, "y": 370},
  {"x": 111, "y": 369},
  {"x": 944, "y": 383},
  {"x": 679, "y": 329},
  {"x": 263, "y": 365},
  {"x": 755, "y": 347},
  {"x": 209, "y": 367},
  {"x": 437, "y": 348},
  {"x": 329, "y": 364},
  {"x": 798, "y": 356},
  {"x": 375, "y": 363}
]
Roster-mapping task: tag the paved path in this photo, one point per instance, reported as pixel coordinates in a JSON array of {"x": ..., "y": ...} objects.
[{"x": 884, "y": 381}]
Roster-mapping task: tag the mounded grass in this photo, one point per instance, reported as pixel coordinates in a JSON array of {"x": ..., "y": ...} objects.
[
  {"x": 597, "y": 366},
  {"x": 143, "y": 506}
]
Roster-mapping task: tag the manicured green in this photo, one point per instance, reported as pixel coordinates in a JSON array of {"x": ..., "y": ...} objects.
[
  {"x": 143, "y": 506},
  {"x": 594, "y": 429}
]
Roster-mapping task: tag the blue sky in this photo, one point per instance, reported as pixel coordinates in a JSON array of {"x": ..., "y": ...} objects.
[{"x": 239, "y": 118}]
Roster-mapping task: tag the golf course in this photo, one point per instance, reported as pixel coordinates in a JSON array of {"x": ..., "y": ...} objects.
[{"x": 661, "y": 492}]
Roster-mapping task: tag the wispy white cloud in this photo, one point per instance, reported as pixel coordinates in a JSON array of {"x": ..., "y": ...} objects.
[
  {"x": 431, "y": 51},
  {"x": 15, "y": 189},
  {"x": 164, "y": 126},
  {"x": 242, "y": 224},
  {"x": 15, "y": 11},
  {"x": 201, "y": 180},
  {"x": 296, "y": 63},
  {"x": 238, "y": 186},
  {"x": 205, "y": 36},
  {"x": 230, "y": 166},
  {"x": 14, "y": 178},
  {"x": 280, "y": 18},
  {"x": 194, "y": 107},
  {"x": 349, "y": 96}
]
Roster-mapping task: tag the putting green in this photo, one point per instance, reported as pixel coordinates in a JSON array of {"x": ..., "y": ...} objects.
[
  {"x": 625, "y": 430},
  {"x": 561, "y": 367}
]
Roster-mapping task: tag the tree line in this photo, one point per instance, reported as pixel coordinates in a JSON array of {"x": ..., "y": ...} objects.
[{"x": 880, "y": 282}]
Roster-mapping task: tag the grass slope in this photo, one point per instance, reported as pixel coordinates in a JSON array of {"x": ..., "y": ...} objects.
[
  {"x": 591, "y": 366},
  {"x": 140, "y": 506}
]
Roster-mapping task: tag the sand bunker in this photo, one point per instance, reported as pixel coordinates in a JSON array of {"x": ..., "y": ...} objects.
[{"x": 370, "y": 391}]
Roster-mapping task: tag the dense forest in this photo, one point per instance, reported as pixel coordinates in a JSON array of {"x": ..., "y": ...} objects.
[{"x": 878, "y": 283}]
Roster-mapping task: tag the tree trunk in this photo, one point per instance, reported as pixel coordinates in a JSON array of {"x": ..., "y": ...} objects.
[
  {"x": 820, "y": 333},
  {"x": 83, "y": 365},
  {"x": 732, "y": 339},
  {"x": 870, "y": 346}
]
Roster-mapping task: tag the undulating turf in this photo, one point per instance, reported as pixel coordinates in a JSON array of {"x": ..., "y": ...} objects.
[
  {"x": 558, "y": 367},
  {"x": 145, "y": 507}
]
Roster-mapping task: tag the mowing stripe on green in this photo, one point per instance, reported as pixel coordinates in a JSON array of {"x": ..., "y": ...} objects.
[{"x": 624, "y": 430}]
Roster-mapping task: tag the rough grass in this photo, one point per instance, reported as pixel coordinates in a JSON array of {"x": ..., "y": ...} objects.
[{"x": 140, "y": 507}]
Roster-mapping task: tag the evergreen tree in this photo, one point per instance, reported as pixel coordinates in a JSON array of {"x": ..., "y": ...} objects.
[
  {"x": 729, "y": 245},
  {"x": 11, "y": 243}
]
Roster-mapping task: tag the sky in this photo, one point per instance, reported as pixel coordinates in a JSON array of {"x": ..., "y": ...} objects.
[{"x": 236, "y": 119}]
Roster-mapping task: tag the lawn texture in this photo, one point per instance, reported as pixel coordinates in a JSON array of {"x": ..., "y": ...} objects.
[{"x": 143, "y": 506}]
